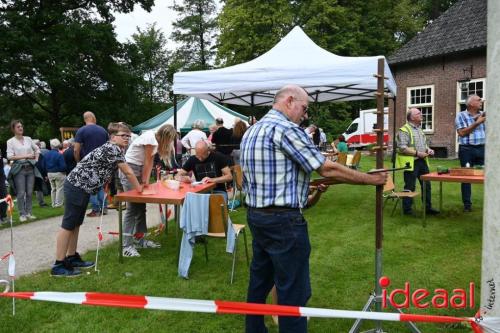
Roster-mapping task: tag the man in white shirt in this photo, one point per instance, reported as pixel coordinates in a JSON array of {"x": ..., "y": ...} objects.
[{"x": 196, "y": 134}]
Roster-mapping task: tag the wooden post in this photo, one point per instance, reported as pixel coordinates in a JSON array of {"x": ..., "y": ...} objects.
[{"x": 379, "y": 217}]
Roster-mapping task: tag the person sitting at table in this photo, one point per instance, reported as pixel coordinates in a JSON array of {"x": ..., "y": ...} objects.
[
  {"x": 208, "y": 167},
  {"x": 341, "y": 145},
  {"x": 140, "y": 157},
  {"x": 88, "y": 177}
]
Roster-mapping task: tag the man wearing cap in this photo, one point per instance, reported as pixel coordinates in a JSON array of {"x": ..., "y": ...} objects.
[{"x": 222, "y": 138}]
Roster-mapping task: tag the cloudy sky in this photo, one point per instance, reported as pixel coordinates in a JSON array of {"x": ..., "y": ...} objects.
[{"x": 126, "y": 24}]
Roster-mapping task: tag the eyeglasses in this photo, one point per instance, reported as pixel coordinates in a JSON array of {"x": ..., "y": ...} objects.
[
  {"x": 305, "y": 108},
  {"x": 124, "y": 136}
]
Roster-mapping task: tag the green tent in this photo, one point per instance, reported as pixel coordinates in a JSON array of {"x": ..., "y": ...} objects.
[{"x": 189, "y": 110}]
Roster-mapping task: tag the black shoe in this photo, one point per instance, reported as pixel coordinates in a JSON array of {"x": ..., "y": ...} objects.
[
  {"x": 467, "y": 209},
  {"x": 44, "y": 205},
  {"x": 432, "y": 211},
  {"x": 410, "y": 213},
  {"x": 64, "y": 269},
  {"x": 76, "y": 262}
]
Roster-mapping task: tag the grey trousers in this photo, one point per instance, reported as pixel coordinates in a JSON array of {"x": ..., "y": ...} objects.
[
  {"x": 25, "y": 181},
  {"x": 134, "y": 220}
]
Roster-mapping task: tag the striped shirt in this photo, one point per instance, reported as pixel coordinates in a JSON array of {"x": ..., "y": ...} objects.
[
  {"x": 277, "y": 158},
  {"x": 477, "y": 136}
]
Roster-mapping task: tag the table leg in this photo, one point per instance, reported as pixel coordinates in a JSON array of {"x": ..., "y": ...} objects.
[
  {"x": 166, "y": 219},
  {"x": 177, "y": 211},
  {"x": 120, "y": 242},
  {"x": 424, "y": 208},
  {"x": 440, "y": 196}
]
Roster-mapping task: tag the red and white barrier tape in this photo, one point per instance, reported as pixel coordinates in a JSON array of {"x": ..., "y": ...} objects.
[
  {"x": 12, "y": 263},
  {"x": 10, "y": 203},
  {"x": 137, "y": 235},
  {"x": 483, "y": 325}
]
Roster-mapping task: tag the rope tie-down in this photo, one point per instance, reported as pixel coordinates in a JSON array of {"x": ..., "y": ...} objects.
[{"x": 478, "y": 324}]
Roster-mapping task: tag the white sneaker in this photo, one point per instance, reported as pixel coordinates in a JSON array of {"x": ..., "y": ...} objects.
[
  {"x": 31, "y": 217},
  {"x": 130, "y": 251},
  {"x": 23, "y": 218},
  {"x": 146, "y": 243}
]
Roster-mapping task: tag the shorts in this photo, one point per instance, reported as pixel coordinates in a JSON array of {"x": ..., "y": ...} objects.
[{"x": 76, "y": 201}]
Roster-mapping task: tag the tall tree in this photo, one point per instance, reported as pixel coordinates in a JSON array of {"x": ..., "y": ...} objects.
[
  {"x": 250, "y": 28},
  {"x": 433, "y": 8},
  {"x": 60, "y": 55},
  {"x": 194, "y": 32},
  {"x": 149, "y": 60}
]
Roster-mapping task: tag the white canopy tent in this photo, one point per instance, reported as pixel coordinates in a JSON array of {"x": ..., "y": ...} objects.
[{"x": 296, "y": 59}]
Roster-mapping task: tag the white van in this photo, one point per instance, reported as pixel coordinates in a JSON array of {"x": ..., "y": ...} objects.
[{"x": 360, "y": 132}]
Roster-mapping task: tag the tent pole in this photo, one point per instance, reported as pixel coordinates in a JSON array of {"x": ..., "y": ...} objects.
[
  {"x": 393, "y": 134},
  {"x": 175, "y": 112}
]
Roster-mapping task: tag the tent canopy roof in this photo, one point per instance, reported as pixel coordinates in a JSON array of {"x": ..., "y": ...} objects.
[
  {"x": 189, "y": 110},
  {"x": 296, "y": 59}
]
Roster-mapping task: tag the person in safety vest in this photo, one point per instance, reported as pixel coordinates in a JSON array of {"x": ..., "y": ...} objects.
[{"x": 413, "y": 149}]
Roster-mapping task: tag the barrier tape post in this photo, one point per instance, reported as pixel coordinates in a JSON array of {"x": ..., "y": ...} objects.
[
  {"x": 12, "y": 261},
  {"x": 478, "y": 324},
  {"x": 99, "y": 234}
]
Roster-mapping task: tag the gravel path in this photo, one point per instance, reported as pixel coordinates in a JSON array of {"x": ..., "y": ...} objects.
[{"x": 35, "y": 243}]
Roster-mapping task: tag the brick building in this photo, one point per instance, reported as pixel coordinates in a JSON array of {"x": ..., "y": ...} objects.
[{"x": 437, "y": 69}]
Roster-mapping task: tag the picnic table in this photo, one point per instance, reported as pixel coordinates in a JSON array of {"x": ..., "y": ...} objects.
[
  {"x": 160, "y": 194},
  {"x": 446, "y": 178}
]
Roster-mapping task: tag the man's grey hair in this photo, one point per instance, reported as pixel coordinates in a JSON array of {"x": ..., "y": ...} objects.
[
  {"x": 199, "y": 124},
  {"x": 469, "y": 99}
]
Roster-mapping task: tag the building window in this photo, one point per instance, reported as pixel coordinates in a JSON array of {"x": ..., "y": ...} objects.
[
  {"x": 472, "y": 87},
  {"x": 422, "y": 98}
]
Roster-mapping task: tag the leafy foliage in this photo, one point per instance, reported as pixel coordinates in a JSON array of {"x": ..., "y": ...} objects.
[
  {"x": 62, "y": 58},
  {"x": 194, "y": 31},
  {"x": 250, "y": 28}
]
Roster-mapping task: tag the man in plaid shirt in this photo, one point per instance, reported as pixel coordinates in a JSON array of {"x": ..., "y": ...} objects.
[
  {"x": 471, "y": 132},
  {"x": 277, "y": 158}
]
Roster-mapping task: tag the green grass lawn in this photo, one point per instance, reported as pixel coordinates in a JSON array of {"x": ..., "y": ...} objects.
[
  {"x": 41, "y": 213},
  {"x": 446, "y": 254}
]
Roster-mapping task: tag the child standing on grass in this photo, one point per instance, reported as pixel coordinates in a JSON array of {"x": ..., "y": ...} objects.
[{"x": 90, "y": 174}]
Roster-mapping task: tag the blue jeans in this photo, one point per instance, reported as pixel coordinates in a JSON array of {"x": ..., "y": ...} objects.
[
  {"x": 281, "y": 251},
  {"x": 474, "y": 155},
  {"x": 96, "y": 201}
]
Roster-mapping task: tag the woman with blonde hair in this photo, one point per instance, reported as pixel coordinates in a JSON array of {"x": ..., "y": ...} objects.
[{"x": 140, "y": 157}]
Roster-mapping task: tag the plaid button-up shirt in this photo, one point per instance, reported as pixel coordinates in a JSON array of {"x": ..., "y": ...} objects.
[
  {"x": 477, "y": 136},
  {"x": 277, "y": 158}
]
